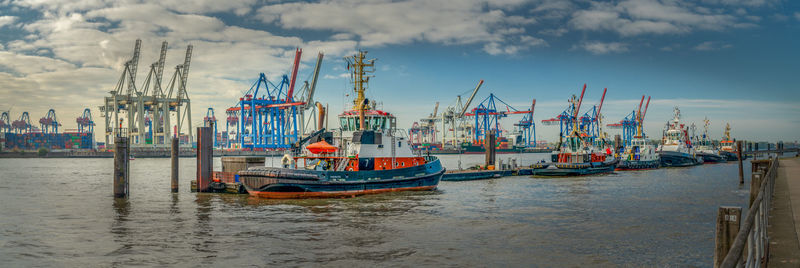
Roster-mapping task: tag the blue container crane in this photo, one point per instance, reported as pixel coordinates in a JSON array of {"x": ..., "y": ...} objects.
[
  {"x": 49, "y": 123},
  {"x": 528, "y": 128},
  {"x": 632, "y": 124},
  {"x": 487, "y": 117},
  {"x": 5, "y": 122},
  {"x": 85, "y": 122},
  {"x": 211, "y": 120}
]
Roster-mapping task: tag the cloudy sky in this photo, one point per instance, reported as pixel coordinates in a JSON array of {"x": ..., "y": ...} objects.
[{"x": 733, "y": 61}]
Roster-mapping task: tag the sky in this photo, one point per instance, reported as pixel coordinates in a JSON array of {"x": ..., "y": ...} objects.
[{"x": 732, "y": 61}]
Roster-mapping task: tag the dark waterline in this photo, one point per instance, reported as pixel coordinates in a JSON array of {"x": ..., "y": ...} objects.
[{"x": 60, "y": 212}]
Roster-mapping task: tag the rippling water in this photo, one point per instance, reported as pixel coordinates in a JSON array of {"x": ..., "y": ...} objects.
[{"x": 61, "y": 212}]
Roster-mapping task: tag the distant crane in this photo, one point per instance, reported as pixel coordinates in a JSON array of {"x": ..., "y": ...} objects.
[
  {"x": 568, "y": 119},
  {"x": 632, "y": 124},
  {"x": 527, "y": 128},
  {"x": 211, "y": 120},
  {"x": 23, "y": 124},
  {"x": 455, "y": 128},
  {"x": 5, "y": 122},
  {"x": 271, "y": 112},
  {"x": 49, "y": 123},
  {"x": 487, "y": 117}
]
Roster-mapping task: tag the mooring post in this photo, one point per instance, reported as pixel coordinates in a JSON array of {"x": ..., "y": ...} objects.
[
  {"x": 204, "y": 158},
  {"x": 121, "y": 158},
  {"x": 728, "y": 220},
  {"x": 489, "y": 144},
  {"x": 175, "y": 153},
  {"x": 739, "y": 154}
]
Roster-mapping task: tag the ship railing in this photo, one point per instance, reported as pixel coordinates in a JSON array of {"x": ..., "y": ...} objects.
[{"x": 749, "y": 249}]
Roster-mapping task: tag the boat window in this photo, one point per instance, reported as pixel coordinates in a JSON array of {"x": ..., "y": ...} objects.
[{"x": 343, "y": 123}]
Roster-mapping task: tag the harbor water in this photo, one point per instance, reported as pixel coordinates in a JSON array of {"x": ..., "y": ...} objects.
[{"x": 61, "y": 212}]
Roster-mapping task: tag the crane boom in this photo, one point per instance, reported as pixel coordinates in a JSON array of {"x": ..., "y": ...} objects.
[
  {"x": 578, "y": 108},
  {"x": 469, "y": 101},
  {"x": 645, "y": 108},
  {"x": 297, "y": 54},
  {"x": 601, "y": 102},
  {"x": 186, "y": 61},
  {"x": 639, "y": 114},
  {"x": 435, "y": 109},
  {"x": 309, "y": 100},
  {"x": 133, "y": 64},
  {"x": 160, "y": 65},
  {"x": 532, "y": 107}
]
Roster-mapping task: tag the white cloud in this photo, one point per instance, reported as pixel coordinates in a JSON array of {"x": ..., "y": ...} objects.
[
  {"x": 630, "y": 18},
  {"x": 7, "y": 20},
  {"x": 598, "y": 48},
  {"x": 711, "y": 45},
  {"x": 377, "y": 23}
]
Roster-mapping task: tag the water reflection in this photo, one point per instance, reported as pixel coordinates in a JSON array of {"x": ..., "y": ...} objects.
[{"x": 120, "y": 230}]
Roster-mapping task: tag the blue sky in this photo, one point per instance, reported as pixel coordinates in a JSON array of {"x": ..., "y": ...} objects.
[{"x": 734, "y": 61}]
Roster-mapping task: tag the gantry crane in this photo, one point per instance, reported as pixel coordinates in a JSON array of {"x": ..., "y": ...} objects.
[
  {"x": 151, "y": 107},
  {"x": 527, "y": 128},
  {"x": 49, "y": 123},
  {"x": 456, "y": 129},
  {"x": 633, "y": 124}
]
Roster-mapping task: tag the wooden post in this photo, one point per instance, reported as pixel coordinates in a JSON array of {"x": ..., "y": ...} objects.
[
  {"x": 121, "y": 158},
  {"x": 175, "y": 155},
  {"x": 728, "y": 220},
  {"x": 739, "y": 154},
  {"x": 204, "y": 158},
  {"x": 489, "y": 145},
  {"x": 755, "y": 185}
]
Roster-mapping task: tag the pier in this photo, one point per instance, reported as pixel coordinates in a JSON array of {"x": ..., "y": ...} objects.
[{"x": 769, "y": 234}]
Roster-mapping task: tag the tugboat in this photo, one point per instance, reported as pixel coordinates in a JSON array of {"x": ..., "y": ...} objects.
[
  {"x": 637, "y": 152},
  {"x": 727, "y": 147},
  {"x": 577, "y": 153},
  {"x": 676, "y": 149},
  {"x": 705, "y": 147},
  {"x": 370, "y": 156}
]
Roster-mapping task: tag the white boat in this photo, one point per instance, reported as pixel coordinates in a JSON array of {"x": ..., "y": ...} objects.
[
  {"x": 676, "y": 149},
  {"x": 705, "y": 147}
]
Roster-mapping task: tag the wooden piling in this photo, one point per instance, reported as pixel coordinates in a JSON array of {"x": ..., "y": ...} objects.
[
  {"x": 121, "y": 158},
  {"x": 205, "y": 158},
  {"x": 739, "y": 155},
  {"x": 490, "y": 144},
  {"x": 728, "y": 221},
  {"x": 175, "y": 154}
]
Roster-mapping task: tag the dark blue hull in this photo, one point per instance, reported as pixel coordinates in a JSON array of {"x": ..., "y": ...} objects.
[
  {"x": 731, "y": 156},
  {"x": 569, "y": 169},
  {"x": 270, "y": 182},
  {"x": 633, "y": 165},
  {"x": 712, "y": 158},
  {"x": 678, "y": 159},
  {"x": 475, "y": 175}
]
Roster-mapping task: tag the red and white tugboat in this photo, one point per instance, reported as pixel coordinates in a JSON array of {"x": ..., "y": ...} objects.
[{"x": 370, "y": 156}]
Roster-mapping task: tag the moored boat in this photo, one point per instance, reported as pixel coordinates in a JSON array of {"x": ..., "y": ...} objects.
[
  {"x": 676, "y": 149},
  {"x": 577, "y": 153},
  {"x": 727, "y": 147},
  {"x": 370, "y": 156},
  {"x": 705, "y": 148},
  {"x": 637, "y": 152}
]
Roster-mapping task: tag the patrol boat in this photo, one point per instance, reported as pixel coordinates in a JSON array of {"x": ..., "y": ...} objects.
[
  {"x": 370, "y": 156},
  {"x": 676, "y": 148}
]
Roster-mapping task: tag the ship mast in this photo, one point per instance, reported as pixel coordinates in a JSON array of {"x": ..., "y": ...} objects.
[
  {"x": 359, "y": 75},
  {"x": 727, "y": 131}
]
